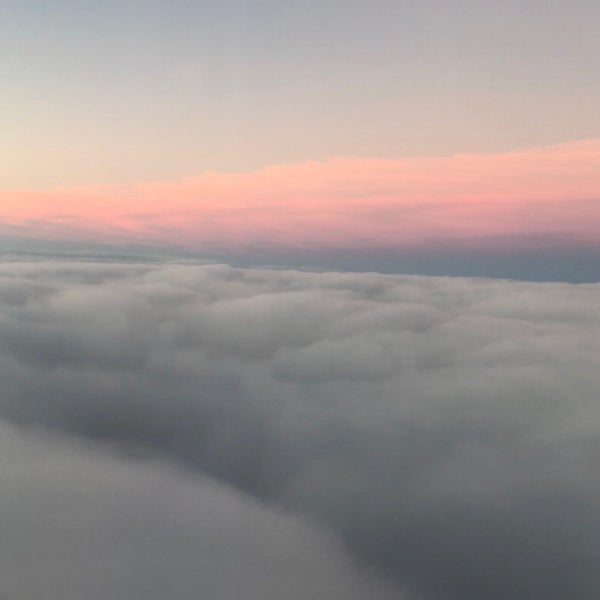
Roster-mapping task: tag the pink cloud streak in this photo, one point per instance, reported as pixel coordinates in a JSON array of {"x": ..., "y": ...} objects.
[{"x": 551, "y": 192}]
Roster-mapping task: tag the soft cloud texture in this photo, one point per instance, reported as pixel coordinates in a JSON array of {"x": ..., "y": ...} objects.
[
  {"x": 83, "y": 523},
  {"x": 544, "y": 198},
  {"x": 446, "y": 430}
]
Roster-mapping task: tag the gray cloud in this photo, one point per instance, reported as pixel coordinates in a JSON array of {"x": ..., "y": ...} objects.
[
  {"x": 445, "y": 429},
  {"x": 79, "y": 522}
]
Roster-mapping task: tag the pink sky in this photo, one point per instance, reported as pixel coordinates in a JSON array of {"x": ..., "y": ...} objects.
[{"x": 551, "y": 192}]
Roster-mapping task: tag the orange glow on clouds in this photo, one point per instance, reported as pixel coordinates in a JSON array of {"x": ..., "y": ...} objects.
[{"x": 545, "y": 193}]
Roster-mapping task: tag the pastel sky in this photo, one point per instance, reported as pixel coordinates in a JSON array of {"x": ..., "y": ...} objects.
[{"x": 240, "y": 124}]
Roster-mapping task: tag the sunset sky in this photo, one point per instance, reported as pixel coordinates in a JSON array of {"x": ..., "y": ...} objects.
[{"x": 302, "y": 126}]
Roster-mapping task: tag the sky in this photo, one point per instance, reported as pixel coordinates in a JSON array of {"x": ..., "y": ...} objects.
[{"x": 296, "y": 132}]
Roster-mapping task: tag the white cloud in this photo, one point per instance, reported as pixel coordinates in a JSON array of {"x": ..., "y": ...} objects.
[{"x": 81, "y": 522}]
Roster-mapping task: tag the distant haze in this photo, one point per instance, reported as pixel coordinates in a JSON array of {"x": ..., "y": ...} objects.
[{"x": 516, "y": 208}]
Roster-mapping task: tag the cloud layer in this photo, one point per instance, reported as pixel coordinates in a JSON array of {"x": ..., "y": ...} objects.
[
  {"x": 446, "y": 430},
  {"x": 535, "y": 199}
]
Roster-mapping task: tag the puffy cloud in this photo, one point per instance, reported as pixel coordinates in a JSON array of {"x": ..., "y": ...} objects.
[
  {"x": 80, "y": 522},
  {"x": 446, "y": 430}
]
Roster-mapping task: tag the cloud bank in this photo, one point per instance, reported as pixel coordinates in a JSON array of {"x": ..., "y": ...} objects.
[
  {"x": 545, "y": 198},
  {"x": 445, "y": 430}
]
